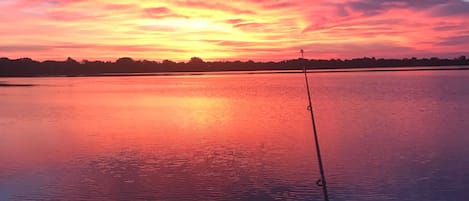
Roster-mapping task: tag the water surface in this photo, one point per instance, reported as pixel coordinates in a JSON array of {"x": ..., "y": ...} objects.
[{"x": 384, "y": 136}]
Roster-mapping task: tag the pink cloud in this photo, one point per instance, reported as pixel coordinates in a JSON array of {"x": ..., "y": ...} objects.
[
  {"x": 234, "y": 21},
  {"x": 263, "y": 29},
  {"x": 158, "y": 10},
  {"x": 161, "y": 12},
  {"x": 120, "y": 6},
  {"x": 69, "y": 15},
  {"x": 215, "y": 5}
]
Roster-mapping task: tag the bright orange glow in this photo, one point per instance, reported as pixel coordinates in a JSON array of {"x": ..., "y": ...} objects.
[{"x": 231, "y": 30}]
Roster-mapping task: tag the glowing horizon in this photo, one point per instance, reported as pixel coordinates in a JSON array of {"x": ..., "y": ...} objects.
[{"x": 261, "y": 30}]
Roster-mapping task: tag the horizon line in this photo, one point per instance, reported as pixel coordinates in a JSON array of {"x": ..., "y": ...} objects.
[{"x": 114, "y": 60}]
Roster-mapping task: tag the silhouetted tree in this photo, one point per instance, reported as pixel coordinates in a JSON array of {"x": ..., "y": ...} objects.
[
  {"x": 71, "y": 61},
  {"x": 196, "y": 60},
  {"x": 70, "y": 67},
  {"x": 168, "y": 62},
  {"x": 124, "y": 60}
]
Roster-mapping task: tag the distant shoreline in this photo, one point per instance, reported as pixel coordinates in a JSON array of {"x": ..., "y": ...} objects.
[
  {"x": 228, "y": 72},
  {"x": 5, "y": 84},
  {"x": 26, "y": 67}
]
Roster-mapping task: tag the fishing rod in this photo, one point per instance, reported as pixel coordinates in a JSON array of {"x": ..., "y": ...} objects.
[{"x": 321, "y": 182}]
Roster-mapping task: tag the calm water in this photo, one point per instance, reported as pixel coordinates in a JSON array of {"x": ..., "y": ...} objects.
[{"x": 384, "y": 136}]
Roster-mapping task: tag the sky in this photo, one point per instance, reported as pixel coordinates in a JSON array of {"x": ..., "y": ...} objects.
[{"x": 260, "y": 30}]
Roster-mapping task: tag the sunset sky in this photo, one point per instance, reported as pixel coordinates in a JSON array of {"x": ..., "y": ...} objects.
[{"x": 233, "y": 30}]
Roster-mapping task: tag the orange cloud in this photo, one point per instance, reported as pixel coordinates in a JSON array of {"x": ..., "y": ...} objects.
[{"x": 232, "y": 30}]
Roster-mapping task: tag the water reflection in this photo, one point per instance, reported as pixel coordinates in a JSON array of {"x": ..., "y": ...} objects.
[{"x": 385, "y": 136}]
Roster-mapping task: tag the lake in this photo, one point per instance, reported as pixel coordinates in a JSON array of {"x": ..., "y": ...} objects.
[{"x": 383, "y": 135}]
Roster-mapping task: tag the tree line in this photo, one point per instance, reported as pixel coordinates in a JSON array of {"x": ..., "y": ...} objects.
[{"x": 71, "y": 67}]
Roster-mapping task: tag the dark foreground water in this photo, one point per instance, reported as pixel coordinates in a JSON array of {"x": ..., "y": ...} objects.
[{"x": 384, "y": 136}]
